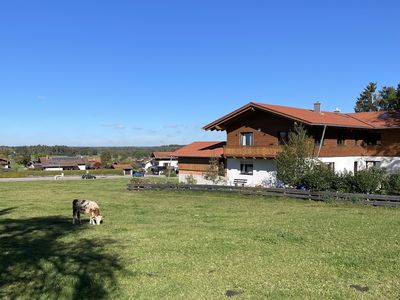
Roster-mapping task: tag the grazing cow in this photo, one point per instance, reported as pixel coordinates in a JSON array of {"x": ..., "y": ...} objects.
[{"x": 87, "y": 207}]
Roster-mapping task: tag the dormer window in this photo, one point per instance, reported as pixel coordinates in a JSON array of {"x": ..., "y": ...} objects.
[{"x": 246, "y": 138}]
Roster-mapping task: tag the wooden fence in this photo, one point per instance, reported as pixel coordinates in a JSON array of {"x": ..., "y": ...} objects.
[{"x": 369, "y": 199}]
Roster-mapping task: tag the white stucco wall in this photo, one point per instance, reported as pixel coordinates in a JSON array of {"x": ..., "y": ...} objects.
[
  {"x": 390, "y": 164},
  {"x": 264, "y": 172},
  {"x": 173, "y": 162},
  {"x": 82, "y": 167}
]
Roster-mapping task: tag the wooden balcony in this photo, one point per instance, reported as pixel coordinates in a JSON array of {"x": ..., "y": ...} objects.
[{"x": 251, "y": 151}]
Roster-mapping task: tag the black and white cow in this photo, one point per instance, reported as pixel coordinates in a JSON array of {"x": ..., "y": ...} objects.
[{"x": 87, "y": 207}]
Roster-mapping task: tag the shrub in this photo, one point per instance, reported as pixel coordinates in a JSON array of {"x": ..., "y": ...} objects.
[
  {"x": 393, "y": 184},
  {"x": 190, "y": 179},
  {"x": 343, "y": 182},
  {"x": 368, "y": 181},
  {"x": 170, "y": 172},
  {"x": 140, "y": 180},
  {"x": 319, "y": 178}
]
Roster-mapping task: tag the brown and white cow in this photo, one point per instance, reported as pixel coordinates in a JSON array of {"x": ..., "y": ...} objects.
[{"x": 87, "y": 207}]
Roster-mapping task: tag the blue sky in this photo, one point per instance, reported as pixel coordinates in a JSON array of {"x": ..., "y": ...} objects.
[{"x": 135, "y": 73}]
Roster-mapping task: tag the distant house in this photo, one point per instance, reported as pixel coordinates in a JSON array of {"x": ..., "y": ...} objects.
[
  {"x": 94, "y": 164},
  {"x": 146, "y": 164},
  {"x": 35, "y": 165},
  {"x": 126, "y": 168},
  {"x": 63, "y": 163},
  {"x": 162, "y": 160},
  {"x": 4, "y": 163},
  {"x": 194, "y": 159}
]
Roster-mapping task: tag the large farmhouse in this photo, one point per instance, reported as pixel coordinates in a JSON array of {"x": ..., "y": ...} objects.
[
  {"x": 62, "y": 163},
  {"x": 345, "y": 141}
]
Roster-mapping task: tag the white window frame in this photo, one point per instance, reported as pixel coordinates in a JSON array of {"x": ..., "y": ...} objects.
[{"x": 244, "y": 140}]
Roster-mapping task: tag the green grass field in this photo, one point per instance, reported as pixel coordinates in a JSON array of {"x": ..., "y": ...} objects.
[{"x": 185, "y": 245}]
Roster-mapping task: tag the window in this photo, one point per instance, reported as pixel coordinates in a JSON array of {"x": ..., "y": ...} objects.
[
  {"x": 246, "y": 169},
  {"x": 340, "y": 141},
  {"x": 372, "y": 164},
  {"x": 355, "y": 167},
  {"x": 283, "y": 137},
  {"x": 331, "y": 166},
  {"x": 246, "y": 138},
  {"x": 372, "y": 139}
]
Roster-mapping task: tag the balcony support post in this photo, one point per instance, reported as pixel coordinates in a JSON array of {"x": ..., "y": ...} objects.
[{"x": 322, "y": 141}]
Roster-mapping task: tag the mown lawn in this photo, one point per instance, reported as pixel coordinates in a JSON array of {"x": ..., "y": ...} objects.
[{"x": 184, "y": 245}]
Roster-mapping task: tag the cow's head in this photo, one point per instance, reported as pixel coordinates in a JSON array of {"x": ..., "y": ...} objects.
[{"x": 99, "y": 220}]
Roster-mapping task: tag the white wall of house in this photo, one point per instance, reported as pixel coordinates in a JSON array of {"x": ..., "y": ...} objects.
[
  {"x": 82, "y": 167},
  {"x": 264, "y": 172},
  {"x": 53, "y": 169},
  {"x": 163, "y": 162},
  {"x": 147, "y": 165},
  {"x": 341, "y": 164}
]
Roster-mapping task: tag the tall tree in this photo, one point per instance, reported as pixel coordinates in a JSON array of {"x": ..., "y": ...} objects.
[
  {"x": 387, "y": 99},
  {"x": 367, "y": 101},
  {"x": 105, "y": 158}
]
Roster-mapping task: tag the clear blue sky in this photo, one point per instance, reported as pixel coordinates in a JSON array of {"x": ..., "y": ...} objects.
[{"x": 113, "y": 73}]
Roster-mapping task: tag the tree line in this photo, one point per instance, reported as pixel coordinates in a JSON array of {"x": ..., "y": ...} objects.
[{"x": 24, "y": 154}]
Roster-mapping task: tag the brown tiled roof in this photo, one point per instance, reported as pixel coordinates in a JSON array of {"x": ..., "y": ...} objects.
[
  {"x": 61, "y": 161},
  {"x": 122, "y": 166},
  {"x": 160, "y": 154},
  {"x": 379, "y": 119},
  {"x": 201, "y": 149},
  {"x": 355, "y": 120},
  {"x": 4, "y": 161}
]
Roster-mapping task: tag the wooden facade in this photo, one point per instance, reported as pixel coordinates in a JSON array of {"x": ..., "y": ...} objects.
[
  {"x": 267, "y": 128},
  {"x": 195, "y": 165}
]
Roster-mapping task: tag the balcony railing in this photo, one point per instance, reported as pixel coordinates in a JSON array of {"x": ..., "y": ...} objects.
[{"x": 252, "y": 151}]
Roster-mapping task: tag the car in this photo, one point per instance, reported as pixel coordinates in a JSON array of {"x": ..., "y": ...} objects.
[
  {"x": 138, "y": 174},
  {"x": 88, "y": 176}
]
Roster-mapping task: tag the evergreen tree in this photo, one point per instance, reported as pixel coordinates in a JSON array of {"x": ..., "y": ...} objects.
[
  {"x": 387, "y": 99},
  {"x": 367, "y": 101}
]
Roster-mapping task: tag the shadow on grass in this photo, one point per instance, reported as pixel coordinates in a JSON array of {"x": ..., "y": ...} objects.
[
  {"x": 6, "y": 210},
  {"x": 35, "y": 262}
]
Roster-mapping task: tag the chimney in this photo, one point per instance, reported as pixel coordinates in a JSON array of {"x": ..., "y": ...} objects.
[
  {"x": 317, "y": 107},
  {"x": 337, "y": 110}
]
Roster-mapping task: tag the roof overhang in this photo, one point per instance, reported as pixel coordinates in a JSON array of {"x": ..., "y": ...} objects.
[{"x": 220, "y": 124}]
